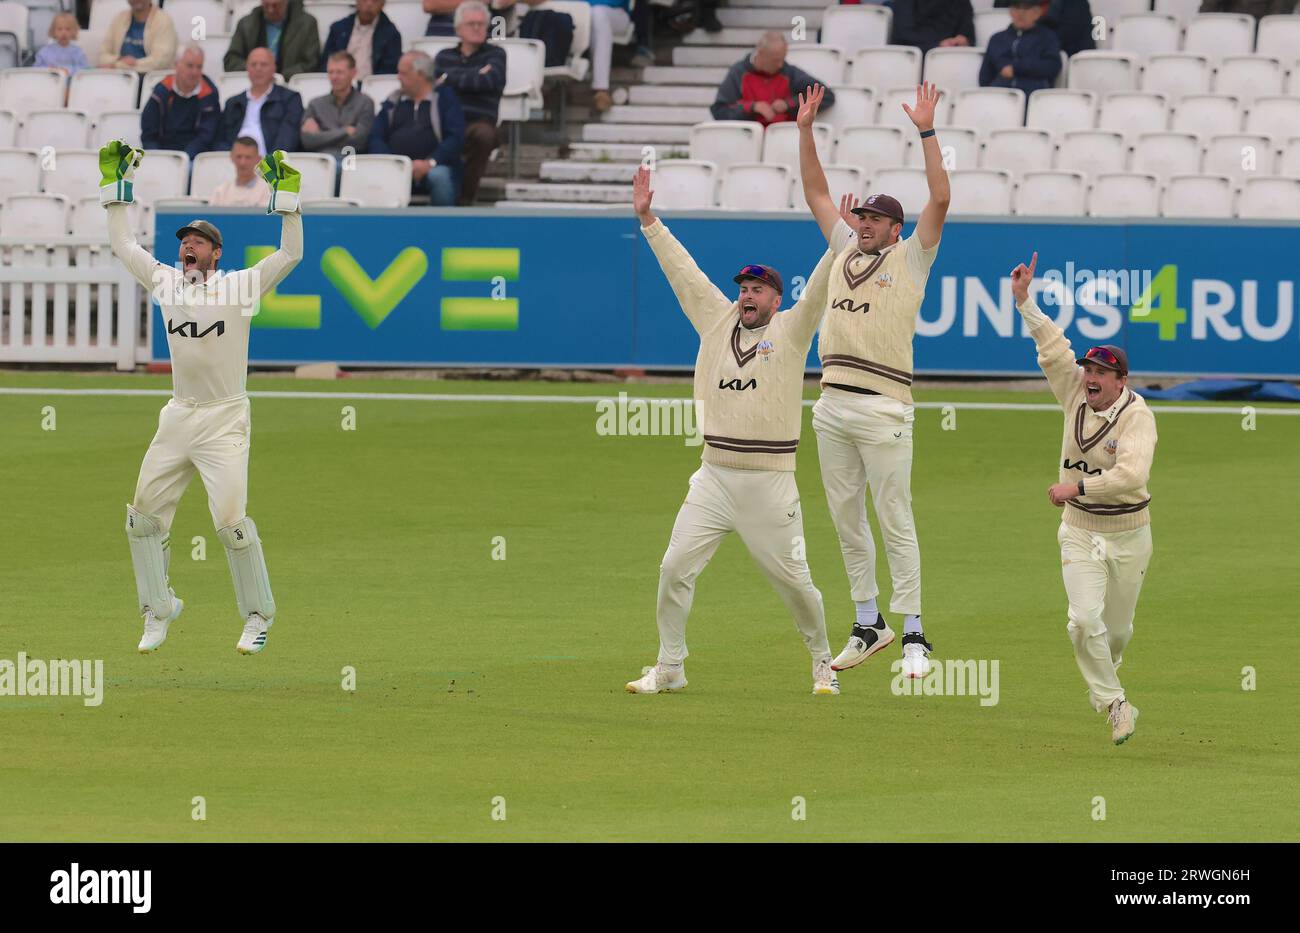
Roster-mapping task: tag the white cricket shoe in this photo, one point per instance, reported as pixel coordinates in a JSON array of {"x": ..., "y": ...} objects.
[
  {"x": 254, "y": 638},
  {"x": 825, "y": 683},
  {"x": 916, "y": 655},
  {"x": 1123, "y": 720},
  {"x": 865, "y": 641},
  {"x": 155, "y": 631},
  {"x": 659, "y": 679}
]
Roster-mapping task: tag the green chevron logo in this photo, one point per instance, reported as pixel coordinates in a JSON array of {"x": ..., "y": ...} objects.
[
  {"x": 374, "y": 299},
  {"x": 288, "y": 312},
  {"x": 497, "y": 265}
]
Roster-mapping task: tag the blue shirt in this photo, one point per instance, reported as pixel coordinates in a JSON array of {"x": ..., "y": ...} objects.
[
  {"x": 133, "y": 41},
  {"x": 273, "y": 33}
]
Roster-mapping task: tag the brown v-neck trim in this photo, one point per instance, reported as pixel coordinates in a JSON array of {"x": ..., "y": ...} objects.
[
  {"x": 1087, "y": 443},
  {"x": 855, "y": 280},
  {"x": 742, "y": 356}
]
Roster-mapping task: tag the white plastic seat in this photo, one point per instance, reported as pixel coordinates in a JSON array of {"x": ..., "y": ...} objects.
[
  {"x": 963, "y": 141},
  {"x": 754, "y": 186},
  {"x": 410, "y": 19},
  {"x": 1279, "y": 36},
  {"x": 20, "y": 172},
  {"x": 211, "y": 14},
  {"x": 525, "y": 73},
  {"x": 1092, "y": 151},
  {"x": 1238, "y": 155},
  {"x": 1103, "y": 72},
  {"x": 980, "y": 191},
  {"x": 1166, "y": 154},
  {"x": 1061, "y": 111},
  {"x": 1124, "y": 194},
  {"x": 378, "y": 181},
  {"x": 781, "y": 144},
  {"x": 148, "y": 83},
  {"x": 988, "y": 23},
  {"x": 1269, "y": 198},
  {"x": 840, "y": 179},
  {"x": 1247, "y": 77},
  {"x": 953, "y": 69},
  {"x": 1018, "y": 150},
  {"x": 166, "y": 174},
  {"x": 1220, "y": 34},
  {"x": 989, "y": 108},
  {"x": 1278, "y": 117},
  {"x": 884, "y": 67},
  {"x": 330, "y": 204},
  {"x": 726, "y": 141},
  {"x": 87, "y": 216},
  {"x": 23, "y": 90},
  {"x": 8, "y": 129},
  {"x": 309, "y": 85},
  {"x": 823, "y": 62},
  {"x": 327, "y": 14},
  {"x": 116, "y": 124},
  {"x": 34, "y": 215},
  {"x": 231, "y": 84},
  {"x": 906, "y": 185},
  {"x": 1289, "y": 163},
  {"x": 15, "y": 17},
  {"x": 210, "y": 170},
  {"x": 891, "y": 111},
  {"x": 1133, "y": 113},
  {"x": 1206, "y": 114},
  {"x": 856, "y": 27},
  {"x": 575, "y": 66},
  {"x": 1181, "y": 10},
  {"x": 1175, "y": 74},
  {"x": 684, "y": 184},
  {"x": 1051, "y": 194},
  {"x": 1145, "y": 34},
  {"x": 872, "y": 147},
  {"x": 62, "y": 129},
  {"x": 238, "y": 10},
  {"x": 1112, "y": 10},
  {"x": 432, "y": 45},
  {"x": 214, "y": 46},
  {"x": 379, "y": 87},
  {"x": 1192, "y": 195},
  {"x": 853, "y": 107},
  {"x": 318, "y": 170},
  {"x": 98, "y": 89},
  {"x": 70, "y": 172}
]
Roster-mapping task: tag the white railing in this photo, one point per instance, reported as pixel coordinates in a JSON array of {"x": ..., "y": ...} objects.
[{"x": 68, "y": 300}]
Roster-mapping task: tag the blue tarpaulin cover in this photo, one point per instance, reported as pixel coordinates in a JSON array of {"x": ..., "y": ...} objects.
[{"x": 1225, "y": 390}]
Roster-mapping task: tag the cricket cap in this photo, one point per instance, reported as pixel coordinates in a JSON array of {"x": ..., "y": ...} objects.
[
  {"x": 203, "y": 229},
  {"x": 763, "y": 274},
  {"x": 881, "y": 204},
  {"x": 1108, "y": 357}
]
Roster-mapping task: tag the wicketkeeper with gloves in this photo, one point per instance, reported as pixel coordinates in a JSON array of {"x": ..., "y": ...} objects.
[{"x": 206, "y": 424}]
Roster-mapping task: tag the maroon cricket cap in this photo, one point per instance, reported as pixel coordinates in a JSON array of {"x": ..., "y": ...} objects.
[
  {"x": 763, "y": 274},
  {"x": 881, "y": 204},
  {"x": 1108, "y": 356}
]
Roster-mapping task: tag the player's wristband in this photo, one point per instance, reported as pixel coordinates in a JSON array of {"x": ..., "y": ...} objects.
[
  {"x": 927, "y": 133},
  {"x": 1081, "y": 492}
]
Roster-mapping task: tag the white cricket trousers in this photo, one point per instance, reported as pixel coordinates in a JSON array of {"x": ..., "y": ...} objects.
[
  {"x": 763, "y": 507},
  {"x": 605, "y": 21},
  {"x": 212, "y": 438},
  {"x": 1103, "y": 576},
  {"x": 865, "y": 442}
]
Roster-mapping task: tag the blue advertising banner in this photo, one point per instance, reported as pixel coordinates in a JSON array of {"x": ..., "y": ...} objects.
[{"x": 422, "y": 287}]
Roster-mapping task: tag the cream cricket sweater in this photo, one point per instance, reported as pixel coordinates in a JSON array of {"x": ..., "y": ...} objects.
[
  {"x": 748, "y": 383},
  {"x": 866, "y": 338},
  {"x": 1110, "y": 451}
]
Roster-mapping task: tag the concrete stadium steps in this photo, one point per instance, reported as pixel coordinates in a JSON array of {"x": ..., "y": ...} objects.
[
  {"x": 672, "y": 95},
  {"x": 709, "y": 55},
  {"x": 628, "y": 113},
  {"x": 588, "y": 173},
  {"x": 740, "y": 37},
  {"x": 627, "y": 153},
  {"x": 641, "y": 133},
  {"x": 661, "y": 74},
  {"x": 568, "y": 193},
  {"x": 770, "y": 17}
]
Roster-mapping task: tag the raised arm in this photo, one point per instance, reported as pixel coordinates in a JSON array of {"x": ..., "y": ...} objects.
[
  {"x": 1055, "y": 358},
  {"x": 929, "y": 228},
  {"x": 117, "y": 165},
  {"x": 807, "y": 313},
  {"x": 272, "y": 270},
  {"x": 816, "y": 190}
]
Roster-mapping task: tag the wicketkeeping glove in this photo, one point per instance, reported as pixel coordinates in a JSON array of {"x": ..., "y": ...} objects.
[
  {"x": 284, "y": 181},
  {"x": 117, "y": 163}
]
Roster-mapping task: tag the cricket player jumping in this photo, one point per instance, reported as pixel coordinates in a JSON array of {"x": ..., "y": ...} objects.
[
  {"x": 205, "y": 426},
  {"x": 1105, "y": 534},
  {"x": 864, "y": 417},
  {"x": 749, "y": 393}
]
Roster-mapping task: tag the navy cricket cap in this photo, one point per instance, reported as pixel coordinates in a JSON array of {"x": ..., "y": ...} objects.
[{"x": 764, "y": 274}]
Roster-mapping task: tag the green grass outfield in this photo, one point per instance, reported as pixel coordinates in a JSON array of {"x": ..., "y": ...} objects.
[{"x": 481, "y": 678}]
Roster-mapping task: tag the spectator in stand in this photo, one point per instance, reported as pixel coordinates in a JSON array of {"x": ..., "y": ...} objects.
[
  {"x": 140, "y": 38},
  {"x": 342, "y": 117},
  {"x": 1255, "y": 8},
  {"x": 184, "y": 108},
  {"x": 929, "y": 24},
  {"x": 267, "y": 113},
  {"x": 370, "y": 36},
  {"x": 607, "y": 18},
  {"x": 423, "y": 122},
  {"x": 248, "y": 189},
  {"x": 62, "y": 51},
  {"x": 1025, "y": 55},
  {"x": 476, "y": 70},
  {"x": 708, "y": 15},
  {"x": 1071, "y": 20},
  {"x": 441, "y": 17},
  {"x": 284, "y": 27},
  {"x": 763, "y": 86}
]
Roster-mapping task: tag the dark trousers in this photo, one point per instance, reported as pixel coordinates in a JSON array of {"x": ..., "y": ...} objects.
[{"x": 480, "y": 139}]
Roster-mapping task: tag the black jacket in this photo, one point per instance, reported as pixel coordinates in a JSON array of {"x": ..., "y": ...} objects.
[
  {"x": 1034, "y": 55},
  {"x": 926, "y": 23},
  {"x": 385, "y": 48},
  {"x": 281, "y": 118}
]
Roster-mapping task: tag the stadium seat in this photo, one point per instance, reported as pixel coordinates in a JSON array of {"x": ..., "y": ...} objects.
[
  {"x": 980, "y": 191},
  {"x": 14, "y": 18},
  {"x": 1289, "y": 163},
  {"x": 840, "y": 179},
  {"x": 1246, "y": 77},
  {"x": 239, "y": 9},
  {"x": 210, "y": 170},
  {"x": 1217, "y": 35},
  {"x": 781, "y": 144},
  {"x": 327, "y": 14},
  {"x": 23, "y": 90},
  {"x": 1208, "y": 196},
  {"x": 1269, "y": 199},
  {"x": 377, "y": 88},
  {"x": 684, "y": 184},
  {"x": 853, "y": 107},
  {"x": 332, "y": 204},
  {"x": 963, "y": 141},
  {"x": 410, "y": 19},
  {"x": 318, "y": 171},
  {"x": 1103, "y": 72},
  {"x": 147, "y": 84},
  {"x": 168, "y": 176},
  {"x": 1279, "y": 36},
  {"x": 20, "y": 172},
  {"x": 34, "y": 215},
  {"x": 1293, "y": 83},
  {"x": 1181, "y": 10},
  {"x": 1124, "y": 194},
  {"x": 1133, "y": 113},
  {"x": 1206, "y": 114},
  {"x": 230, "y": 84},
  {"x": 432, "y": 45},
  {"x": 97, "y": 89},
  {"x": 823, "y": 62},
  {"x": 9, "y": 129},
  {"x": 754, "y": 186},
  {"x": 309, "y": 85},
  {"x": 1018, "y": 150},
  {"x": 525, "y": 74},
  {"x": 892, "y": 113},
  {"x": 185, "y": 203},
  {"x": 855, "y": 27},
  {"x": 378, "y": 181},
  {"x": 1176, "y": 74},
  {"x": 116, "y": 124},
  {"x": 989, "y": 108},
  {"x": 40, "y": 16},
  {"x": 954, "y": 69},
  {"x": 989, "y": 23},
  {"x": 1145, "y": 34},
  {"x": 871, "y": 147},
  {"x": 1278, "y": 117},
  {"x": 1061, "y": 111},
  {"x": 1051, "y": 194},
  {"x": 1238, "y": 155},
  {"x": 1112, "y": 10},
  {"x": 62, "y": 129},
  {"x": 214, "y": 47},
  {"x": 1166, "y": 154},
  {"x": 576, "y": 65},
  {"x": 981, "y": 6},
  {"x": 69, "y": 172},
  {"x": 727, "y": 141},
  {"x": 211, "y": 14},
  {"x": 882, "y": 68},
  {"x": 906, "y": 185},
  {"x": 1092, "y": 151}
]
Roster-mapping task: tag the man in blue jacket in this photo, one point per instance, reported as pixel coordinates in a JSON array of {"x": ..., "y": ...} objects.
[
  {"x": 1025, "y": 55},
  {"x": 370, "y": 36},
  {"x": 183, "y": 109},
  {"x": 268, "y": 112},
  {"x": 426, "y": 124}
]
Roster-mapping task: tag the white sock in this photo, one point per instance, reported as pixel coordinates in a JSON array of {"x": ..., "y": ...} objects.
[
  {"x": 867, "y": 612},
  {"x": 912, "y": 623}
]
